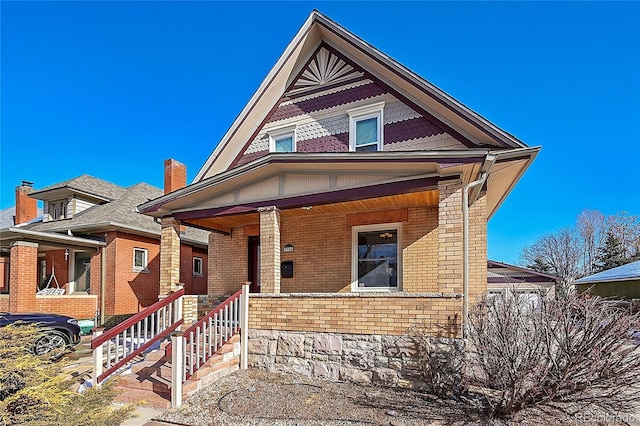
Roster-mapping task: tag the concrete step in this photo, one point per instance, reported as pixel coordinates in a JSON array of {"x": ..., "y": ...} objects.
[{"x": 145, "y": 398}]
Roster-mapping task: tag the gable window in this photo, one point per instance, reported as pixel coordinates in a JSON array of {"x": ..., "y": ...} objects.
[
  {"x": 366, "y": 128},
  {"x": 282, "y": 139},
  {"x": 197, "y": 266},
  {"x": 140, "y": 259},
  {"x": 376, "y": 257}
]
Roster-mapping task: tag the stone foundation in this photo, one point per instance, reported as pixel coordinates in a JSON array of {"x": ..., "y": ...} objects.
[{"x": 385, "y": 360}]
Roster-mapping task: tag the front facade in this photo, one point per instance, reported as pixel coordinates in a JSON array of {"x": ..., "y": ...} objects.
[
  {"x": 90, "y": 255},
  {"x": 353, "y": 196}
]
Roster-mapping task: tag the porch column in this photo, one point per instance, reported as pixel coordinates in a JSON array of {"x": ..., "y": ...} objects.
[
  {"x": 450, "y": 250},
  {"x": 169, "y": 255},
  {"x": 23, "y": 278},
  {"x": 269, "y": 249}
]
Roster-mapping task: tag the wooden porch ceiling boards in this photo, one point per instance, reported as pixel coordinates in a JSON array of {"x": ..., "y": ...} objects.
[{"x": 226, "y": 223}]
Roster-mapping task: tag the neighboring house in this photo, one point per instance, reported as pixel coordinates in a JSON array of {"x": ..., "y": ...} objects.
[
  {"x": 503, "y": 277},
  {"x": 622, "y": 282},
  {"x": 91, "y": 252},
  {"x": 354, "y": 197}
]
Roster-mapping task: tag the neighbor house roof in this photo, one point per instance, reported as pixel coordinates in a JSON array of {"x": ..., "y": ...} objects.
[
  {"x": 116, "y": 213},
  {"x": 630, "y": 271},
  {"x": 8, "y": 215},
  {"x": 499, "y": 272}
]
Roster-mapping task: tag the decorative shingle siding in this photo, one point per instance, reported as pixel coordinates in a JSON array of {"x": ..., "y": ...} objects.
[{"x": 322, "y": 124}]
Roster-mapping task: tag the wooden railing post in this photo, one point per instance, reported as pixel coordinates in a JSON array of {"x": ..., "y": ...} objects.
[
  {"x": 177, "y": 369},
  {"x": 97, "y": 361},
  {"x": 244, "y": 327}
]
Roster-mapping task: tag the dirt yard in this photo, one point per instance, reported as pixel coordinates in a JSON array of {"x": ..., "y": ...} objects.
[{"x": 256, "y": 397}]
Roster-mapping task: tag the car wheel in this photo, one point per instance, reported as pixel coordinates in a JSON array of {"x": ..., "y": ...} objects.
[{"x": 51, "y": 341}]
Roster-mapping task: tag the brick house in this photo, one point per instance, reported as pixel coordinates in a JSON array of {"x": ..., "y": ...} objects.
[
  {"x": 354, "y": 197},
  {"x": 90, "y": 251}
]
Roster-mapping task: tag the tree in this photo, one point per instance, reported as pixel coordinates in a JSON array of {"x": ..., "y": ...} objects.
[
  {"x": 611, "y": 254},
  {"x": 35, "y": 390},
  {"x": 590, "y": 225},
  {"x": 558, "y": 254}
]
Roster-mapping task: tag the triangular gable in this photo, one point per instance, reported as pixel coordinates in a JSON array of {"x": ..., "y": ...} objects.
[{"x": 305, "y": 66}]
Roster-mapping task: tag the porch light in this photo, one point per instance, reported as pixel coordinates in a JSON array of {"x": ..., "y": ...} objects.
[
  {"x": 66, "y": 254},
  {"x": 306, "y": 208}
]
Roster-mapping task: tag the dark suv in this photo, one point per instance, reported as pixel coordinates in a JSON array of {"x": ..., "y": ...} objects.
[{"x": 58, "y": 330}]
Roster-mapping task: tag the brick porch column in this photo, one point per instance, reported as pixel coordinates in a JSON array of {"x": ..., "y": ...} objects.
[
  {"x": 478, "y": 248},
  {"x": 450, "y": 236},
  {"x": 169, "y": 255},
  {"x": 23, "y": 278},
  {"x": 269, "y": 249}
]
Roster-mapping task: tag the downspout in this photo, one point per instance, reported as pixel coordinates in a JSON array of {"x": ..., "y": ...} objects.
[
  {"x": 489, "y": 160},
  {"x": 103, "y": 278}
]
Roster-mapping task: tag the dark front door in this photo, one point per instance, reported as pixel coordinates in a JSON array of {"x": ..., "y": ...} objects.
[{"x": 254, "y": 264}]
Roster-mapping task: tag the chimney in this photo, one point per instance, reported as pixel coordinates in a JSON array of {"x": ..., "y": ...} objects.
[
  {"x": 175, "y": 175},
  {"x": 26, "y": 207}
]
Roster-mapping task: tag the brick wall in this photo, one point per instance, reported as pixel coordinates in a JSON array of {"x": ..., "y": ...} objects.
[
  {"x": 357, "y": 313},
  {"x": 450, "y": 236},
  {"x": 4, "y": 274},
  {"x": 77, "y": 306},
  {"x": 193, "y": 284},
  {"x": 322, "y": 254},
  {"x": 477, "y": 249},
  {"x": 56, "y": 263},
  {"x": 129, "y": 291},
  {"x": 23, "y": 277},
  {"x": 4, "y": 303}
]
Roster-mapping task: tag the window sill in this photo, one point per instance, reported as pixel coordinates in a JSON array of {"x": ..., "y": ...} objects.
[{"x": 141, "y": 271}]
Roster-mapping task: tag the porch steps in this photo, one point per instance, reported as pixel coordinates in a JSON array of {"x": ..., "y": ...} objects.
[{"x": 149, "y": 381}]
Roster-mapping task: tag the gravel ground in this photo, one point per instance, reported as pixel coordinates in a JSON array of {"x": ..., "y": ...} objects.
[{"x": 257, "y": 397}]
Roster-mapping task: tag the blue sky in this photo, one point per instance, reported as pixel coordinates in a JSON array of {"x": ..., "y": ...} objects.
[{"x": 112, "y": 89}]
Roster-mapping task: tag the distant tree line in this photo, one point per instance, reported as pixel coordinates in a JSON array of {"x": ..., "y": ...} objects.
[{"x": 595, "y": 243}]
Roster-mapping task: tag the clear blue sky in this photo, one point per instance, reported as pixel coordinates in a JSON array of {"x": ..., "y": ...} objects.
[{"x": 112, "y": 89}]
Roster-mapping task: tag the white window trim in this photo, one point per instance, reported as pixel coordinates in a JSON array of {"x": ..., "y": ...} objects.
[
  {"x": 195, "y": 273},
  {"x": 281, "y": 132},
  {"x": 363, "y": 113},
  {"x": 354, "y": 255},
  {"x": 146, "y": 259}
]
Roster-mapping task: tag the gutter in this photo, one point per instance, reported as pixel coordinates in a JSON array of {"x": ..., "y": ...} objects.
[{"x": 484, "y": 173}]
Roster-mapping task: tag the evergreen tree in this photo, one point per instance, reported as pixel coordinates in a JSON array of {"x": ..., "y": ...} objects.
[{"x": 611, "y": 254}]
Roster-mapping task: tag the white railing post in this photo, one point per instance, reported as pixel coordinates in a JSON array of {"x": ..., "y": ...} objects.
[
  {"x": 97, "y": 361},
  {"x": 177, "y": 367},
  {"x": 244, "y": 327}
]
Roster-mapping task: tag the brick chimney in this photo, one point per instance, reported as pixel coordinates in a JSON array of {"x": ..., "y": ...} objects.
[
  {"x": 175, "y": 175},
  {"x": 26, "y": 207}
]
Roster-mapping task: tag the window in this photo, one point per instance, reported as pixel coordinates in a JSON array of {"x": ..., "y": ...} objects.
[
  {"x": 365, "y": 128},
  {"x": 376, "y": 257},
  {"x": 58, "y": 210},
  {"x": 197, "y": 266},
  {"x": 282, "y": 139},
  {"x": 140, "y": 259}
]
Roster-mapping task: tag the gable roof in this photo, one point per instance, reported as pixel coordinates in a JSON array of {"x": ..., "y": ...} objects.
[
  {"x": 499, "y": 272},
  {"x": 630, "y": 271},
  {"x": 295, "y": 68}
]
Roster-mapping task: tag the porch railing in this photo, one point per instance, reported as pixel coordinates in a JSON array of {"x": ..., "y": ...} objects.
[
  {"x": 193, "y": 348},
  {"x": 120, "y": 344}
]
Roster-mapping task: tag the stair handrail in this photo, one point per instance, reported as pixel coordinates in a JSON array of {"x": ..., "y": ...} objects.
[{"x": 168, "y": 325}]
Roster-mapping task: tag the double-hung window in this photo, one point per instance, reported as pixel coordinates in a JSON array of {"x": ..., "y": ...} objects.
[
  {"x": 197, "y": 266},
  {"x": 366, "y": 128},
  {"x": 377, "y": 257},
  {"x": 140, "y": 259},
  {"x": 282, "y": 139}
]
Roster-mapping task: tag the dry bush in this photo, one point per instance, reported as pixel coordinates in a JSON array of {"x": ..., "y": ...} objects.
[
  {"x": 576, "y": 350},
  {"x": 35, "y": 390}
]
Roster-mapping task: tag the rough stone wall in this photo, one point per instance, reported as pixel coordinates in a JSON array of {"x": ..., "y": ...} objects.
[{"x": 371, "y": 359}]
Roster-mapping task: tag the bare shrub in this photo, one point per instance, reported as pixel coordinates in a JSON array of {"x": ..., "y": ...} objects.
[{"x": 575, "y": 349}]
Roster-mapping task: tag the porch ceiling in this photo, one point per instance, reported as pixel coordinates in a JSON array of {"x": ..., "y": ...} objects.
[{"x": 225, "y": 223}]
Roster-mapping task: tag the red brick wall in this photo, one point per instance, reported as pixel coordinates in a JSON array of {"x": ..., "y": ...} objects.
[
  {"x": 193, "y": 284},
  {"x": 130, "y": 291},
  {"x": 4, "y": 274},
  {"x": 4, "y": 303},
  {"x": 23, "y": 277},
  {"x": 76, "y": 306}
]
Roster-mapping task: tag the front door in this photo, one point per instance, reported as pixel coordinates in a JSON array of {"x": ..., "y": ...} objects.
[
  {"x": 254, "y": 264},
  {"x": 82, "y": 271}
]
